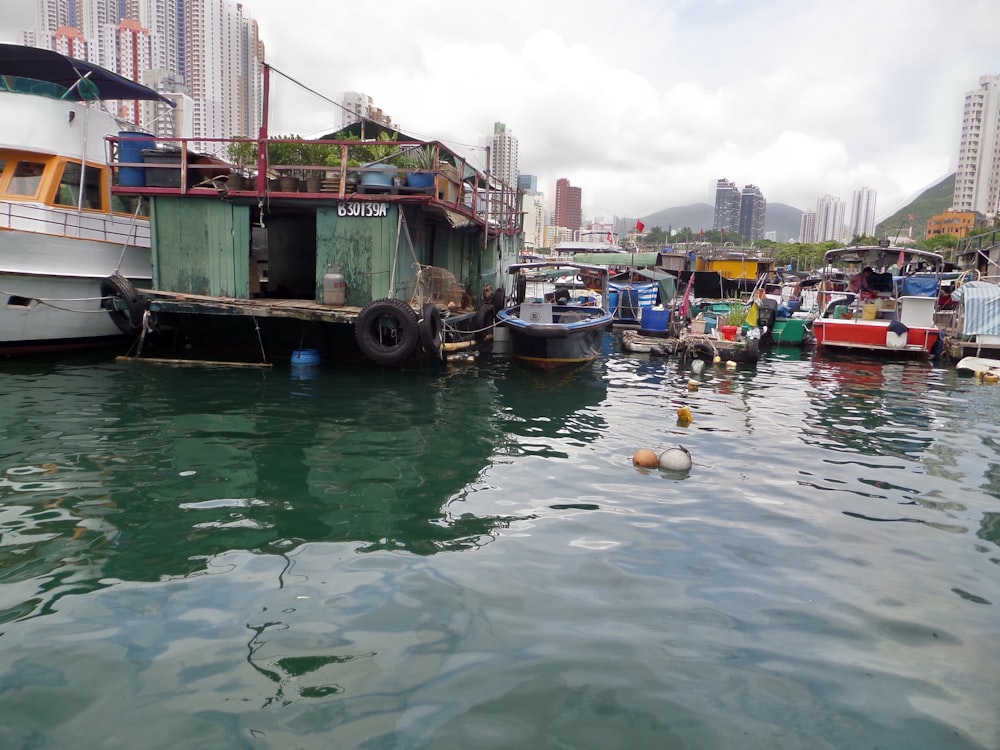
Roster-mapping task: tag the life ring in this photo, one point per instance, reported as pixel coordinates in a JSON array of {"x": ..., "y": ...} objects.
[
  {"x": 387, "y": 331},
  {"x": 482, "y": 324},
  {"x": 116, "y": 288},
  {"x": 431, "y": 329},
  {"x": 561, "y": 296}
]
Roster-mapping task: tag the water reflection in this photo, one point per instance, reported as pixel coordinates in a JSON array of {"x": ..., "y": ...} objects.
[
  {"x": 115, "y": 472},
  {"x": 869, "y": 407}
]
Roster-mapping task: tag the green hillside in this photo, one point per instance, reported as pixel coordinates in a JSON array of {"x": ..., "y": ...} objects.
[{"x": 933, "y": 201}]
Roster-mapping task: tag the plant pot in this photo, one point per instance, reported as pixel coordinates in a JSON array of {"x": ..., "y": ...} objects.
[
  {"x": 378, "y": 174},
  {"x": 729, "y": 332},
  {"x": 314, "y": 184},
  {"x": 288, "y": 184},
  {"x": 420, "y": 179}
]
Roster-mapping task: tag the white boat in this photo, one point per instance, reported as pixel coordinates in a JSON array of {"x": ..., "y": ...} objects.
[{"x": 70, "y": 255}]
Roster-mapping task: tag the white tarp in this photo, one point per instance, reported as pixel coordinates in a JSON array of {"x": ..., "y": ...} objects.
[{"x": 980, "y": 302}]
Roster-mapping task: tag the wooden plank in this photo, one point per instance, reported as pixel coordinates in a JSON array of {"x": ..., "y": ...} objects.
[{"x": 192, "y": 362}]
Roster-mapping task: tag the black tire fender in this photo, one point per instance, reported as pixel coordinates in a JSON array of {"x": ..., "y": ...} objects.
[
  {"x": 128, "y": 315},
  {"x": 483, "y": 322},
  {"x": 431, "y": 329},
  {"x": 520, "y": 288},
  {"x": 499, "y": 299},
  {"x": 387, "y": 331}
]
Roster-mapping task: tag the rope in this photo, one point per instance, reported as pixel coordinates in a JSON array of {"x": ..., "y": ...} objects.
[
  {"x": 49, "y": 302},
  {"x": 256, "y": 325}
]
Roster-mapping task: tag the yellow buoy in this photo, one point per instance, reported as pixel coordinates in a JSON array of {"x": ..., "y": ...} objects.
[
  {"x": 684, "y": 415},
  {"x": 990, "y": 377},
  {"x": 693, "y": 385},
  {"x": 646, "y": 458},
  {"x": 730, "y": 364},
  {"x": 717, "y": 359}
]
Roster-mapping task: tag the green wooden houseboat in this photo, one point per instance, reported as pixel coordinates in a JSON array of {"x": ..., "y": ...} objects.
[{"x": 362, "y": 244}]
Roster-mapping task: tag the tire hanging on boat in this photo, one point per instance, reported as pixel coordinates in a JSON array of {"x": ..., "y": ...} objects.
[
  {"x": 127, "y": 315},
  {"x": 561, "y": 296},
  {"x": 520, "y": 288},
  {"x": 431, "y": 329},
  {"x": 499, "y": 299},
  {"x": 482, "y": 324},
  {"x": 387, "y": 331}
]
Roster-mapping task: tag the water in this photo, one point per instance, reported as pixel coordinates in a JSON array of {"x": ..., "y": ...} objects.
[{"x": 330, "y": 557}]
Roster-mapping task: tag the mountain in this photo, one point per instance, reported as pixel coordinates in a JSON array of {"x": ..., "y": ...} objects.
[
  {"x": 782, "y": 219},
  {"x": 933, "y": 201}
]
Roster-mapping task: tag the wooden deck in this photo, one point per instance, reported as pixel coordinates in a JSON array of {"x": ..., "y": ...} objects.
[{"x": 299, "y": 309}]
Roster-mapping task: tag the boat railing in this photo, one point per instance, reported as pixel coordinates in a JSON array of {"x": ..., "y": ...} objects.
[
  {"x": 93, "y": 225},
  {"x": 323, "y": 169}
]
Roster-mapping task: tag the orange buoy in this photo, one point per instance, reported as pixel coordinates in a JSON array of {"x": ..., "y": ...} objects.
[
  {"x": 684, "y": 415},
  {"x": 646, "y": 458}
]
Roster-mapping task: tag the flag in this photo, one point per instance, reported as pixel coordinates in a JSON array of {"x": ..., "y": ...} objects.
[
  {"x": 901, "y": 261},
  {"x": 639, "y": 226},
  {"x": 686, "y": 302},
  {"x": 610, "y": 238},
  {"x": 752, "y": 313}
]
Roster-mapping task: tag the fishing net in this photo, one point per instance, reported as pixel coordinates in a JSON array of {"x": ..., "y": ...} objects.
[{"x": 438, "y": 285}]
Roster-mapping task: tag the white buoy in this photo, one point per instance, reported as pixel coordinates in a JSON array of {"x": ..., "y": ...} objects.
[
  {"x": 676, "y": 459},
  {"x": 697, "y": 365}
]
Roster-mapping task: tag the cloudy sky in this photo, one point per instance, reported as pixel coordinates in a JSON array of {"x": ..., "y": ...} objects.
[{"x": 644, "y": 104}]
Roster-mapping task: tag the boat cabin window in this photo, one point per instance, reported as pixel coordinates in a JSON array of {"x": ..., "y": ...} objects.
[
  {"x": 26, "y": 179},
  {"x": 68, "y": 192}
]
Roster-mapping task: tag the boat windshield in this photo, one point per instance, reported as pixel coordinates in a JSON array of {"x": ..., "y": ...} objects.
[{"x": 21, "y": 85}]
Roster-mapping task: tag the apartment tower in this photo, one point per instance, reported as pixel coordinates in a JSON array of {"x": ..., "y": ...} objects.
[{"x": 977, "y": 178}]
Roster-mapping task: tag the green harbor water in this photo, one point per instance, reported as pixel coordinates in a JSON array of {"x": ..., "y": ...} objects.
[{"x": 362, "y": 558}]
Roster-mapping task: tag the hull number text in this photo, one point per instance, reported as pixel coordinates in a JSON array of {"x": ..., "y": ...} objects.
[{"x": 363, "y": 209}]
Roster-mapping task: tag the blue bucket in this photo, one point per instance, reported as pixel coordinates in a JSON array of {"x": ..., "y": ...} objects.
[
  {"x": 130, "y": 146},
  {"x": 305, "y": 357},
  {"x": 654, "y": 320}
]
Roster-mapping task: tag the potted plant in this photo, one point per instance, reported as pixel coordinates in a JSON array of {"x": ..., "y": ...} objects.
[
  {"x": 421, "y": 162},
  {"x": 243, "y": 155},
  {"x": 735, "y": 318}
]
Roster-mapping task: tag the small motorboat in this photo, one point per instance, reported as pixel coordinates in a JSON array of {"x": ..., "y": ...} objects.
[{"x": 554, "y": 325}]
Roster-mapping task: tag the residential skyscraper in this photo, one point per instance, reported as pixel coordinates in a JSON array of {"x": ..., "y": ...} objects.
[
  {"x": 208, "y": 50},
  {"x": 863, "y": 213},
  {"x": 569, "y": 202},
  {"x": 753, "y": 211},
  {"x": 807, "y": 227},
  {"x": 977, "y": 178},
  {"x": 727, "y": 207},
  {"x": 830, "y": 219},
  {"x": 503, "y": 155}
]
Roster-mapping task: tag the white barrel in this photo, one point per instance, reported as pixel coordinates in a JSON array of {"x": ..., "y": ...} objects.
[{"x": 334, "y": 288}]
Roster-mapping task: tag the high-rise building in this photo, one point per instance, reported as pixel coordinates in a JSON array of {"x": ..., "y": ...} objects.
[
  {"x": 528, "y": 183},
  {"x": 533, "y": 207},
  {"x": 807, "y": 227},
  {"x": 830, "y": 219},
  {"x": 863, "y": 213},
  {"x": 503, "y": 154},
  {"x": 569, "y": 201},
  {"x": 207, "y": 48},
  {"x": 727, "y": 207},
  {"x": 753, "y": 211},
  {"x": 977, "y": 178}
]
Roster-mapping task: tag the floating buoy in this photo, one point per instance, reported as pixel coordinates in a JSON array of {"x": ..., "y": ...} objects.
[
  {"x": 684, "y": 415},
  {"x": 990, "y": 377},
  {"x": 693, "y": 385},
  {"x": 697, "y": 366},
  {"x": 730, "y": 364},
  {"x": 717, "y": 359},
  {"x": 677, "y": 459},
  {"x": 306, "y": 357},
  {"x": 645, "y": 458}
]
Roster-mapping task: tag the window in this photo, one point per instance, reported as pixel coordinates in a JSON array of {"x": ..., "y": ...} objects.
[
  {"x": 68, "y": 192},
  {"x": 26, "y": 178}
]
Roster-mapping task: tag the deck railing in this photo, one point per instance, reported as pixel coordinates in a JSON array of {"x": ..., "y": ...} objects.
[{"x": 333, "y": 170}]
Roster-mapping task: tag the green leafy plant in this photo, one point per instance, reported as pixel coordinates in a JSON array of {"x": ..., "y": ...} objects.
[
  {"x": 737, "y": 315},
  {"x": 419, "y": 157}
]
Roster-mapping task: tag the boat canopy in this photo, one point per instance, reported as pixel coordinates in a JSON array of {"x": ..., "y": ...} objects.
[
  {"x": 878, "y": 256},
  {"x": 82, "y": 80},
  {"x": 981, "y": 303}
]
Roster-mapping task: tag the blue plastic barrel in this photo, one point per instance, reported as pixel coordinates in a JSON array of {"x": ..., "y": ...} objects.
[
  {"x": 305, "y": 357},
  {"x": 654, "y": 320},
  {"x": 612, "y": 300},
  {"x": 130, "y": 146}
]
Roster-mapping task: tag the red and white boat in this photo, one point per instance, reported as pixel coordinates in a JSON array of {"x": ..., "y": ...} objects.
[{"x": 895, "y": 317}]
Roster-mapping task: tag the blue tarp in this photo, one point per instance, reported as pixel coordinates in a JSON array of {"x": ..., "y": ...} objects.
[
  {"x": 919, "y": 286},
  {"x": 980, "y": 301}
]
